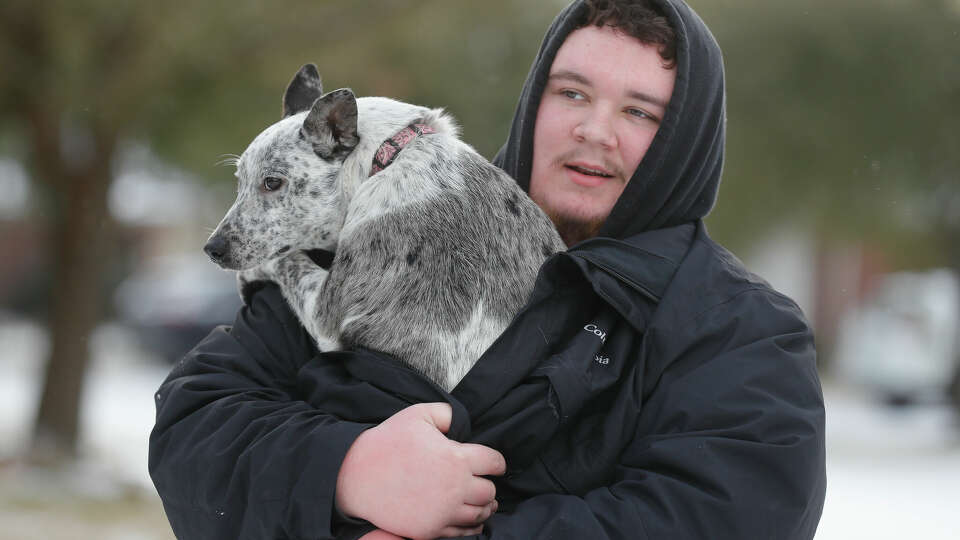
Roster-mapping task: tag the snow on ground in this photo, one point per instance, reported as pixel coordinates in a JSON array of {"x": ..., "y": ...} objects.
[
  {"x": 117, "y": 410},
  {"x": 892, "y": 473},
  {"x": 108, "y": 494}
]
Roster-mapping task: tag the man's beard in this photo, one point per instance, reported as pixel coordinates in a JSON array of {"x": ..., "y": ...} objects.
[
  {"x": 574, "y": 229},
  {"x": 577, "y": 228}
]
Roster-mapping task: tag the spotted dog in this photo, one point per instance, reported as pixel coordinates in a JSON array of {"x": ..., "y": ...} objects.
[{"x": 435, "y": 248}]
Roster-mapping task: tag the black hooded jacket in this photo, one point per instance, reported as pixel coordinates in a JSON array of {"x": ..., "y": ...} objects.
[{"x": 651, "y": 388}]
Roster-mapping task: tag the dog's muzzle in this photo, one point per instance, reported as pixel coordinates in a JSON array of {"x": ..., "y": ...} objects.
[{"x": 218, "y": 249}]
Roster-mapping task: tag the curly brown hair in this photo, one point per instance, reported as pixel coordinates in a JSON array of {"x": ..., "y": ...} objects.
[{"x": 641, "y": 19}]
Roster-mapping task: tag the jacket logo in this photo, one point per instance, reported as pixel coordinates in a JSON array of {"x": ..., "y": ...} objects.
[
  {"x": 602, "y": 360},
  {"x": 592, "y": 328}
]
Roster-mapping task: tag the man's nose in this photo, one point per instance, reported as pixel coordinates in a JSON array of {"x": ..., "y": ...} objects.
[{"x": 596, "y": 128}]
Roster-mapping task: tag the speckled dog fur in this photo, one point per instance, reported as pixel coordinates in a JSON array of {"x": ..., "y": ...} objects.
[{"x": 434, "y": 255}]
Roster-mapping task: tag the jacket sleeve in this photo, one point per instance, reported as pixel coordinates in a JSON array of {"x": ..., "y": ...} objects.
[
  {"x": 729, "y": 442},
  {"x": 233, "y": 454}
]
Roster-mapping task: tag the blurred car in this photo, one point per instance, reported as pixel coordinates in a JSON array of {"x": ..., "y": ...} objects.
[
  {"x": 902, "y": 341},
  {"x": 175, "y": 301}
]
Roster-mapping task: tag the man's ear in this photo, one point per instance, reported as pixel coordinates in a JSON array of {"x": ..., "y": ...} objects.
[
  {"x": 331, "y": 126},
  {"x": 302, "y": 91}
]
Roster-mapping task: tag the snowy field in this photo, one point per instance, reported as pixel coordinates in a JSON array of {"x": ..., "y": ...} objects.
[
  {"x": 108, "y": 495},
  {"x": 892, "y": 473}
]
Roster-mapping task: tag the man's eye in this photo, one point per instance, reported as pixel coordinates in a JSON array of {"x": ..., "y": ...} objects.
[
  {"x": 641, "y": 114},
  {"x": 572, "y": 94},
  {"x": 272, "y": 183}
]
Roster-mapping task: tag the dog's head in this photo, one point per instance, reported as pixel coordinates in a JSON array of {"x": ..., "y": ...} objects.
[{"x": 290, "y": 193}]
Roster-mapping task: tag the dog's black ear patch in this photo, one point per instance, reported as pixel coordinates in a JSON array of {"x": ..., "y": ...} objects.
[
  {"x": 331, "y": 126},
  {"x": 302, "y": 91}
]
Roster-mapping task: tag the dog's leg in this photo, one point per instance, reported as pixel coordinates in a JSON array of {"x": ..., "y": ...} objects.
[{"x": 301, "y": 282}]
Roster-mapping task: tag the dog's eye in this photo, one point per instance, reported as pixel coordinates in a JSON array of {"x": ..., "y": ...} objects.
[{"x": 272, "y": 183}]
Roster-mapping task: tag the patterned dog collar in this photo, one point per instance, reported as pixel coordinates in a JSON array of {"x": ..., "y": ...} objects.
[{"x": 391, "y": 147}]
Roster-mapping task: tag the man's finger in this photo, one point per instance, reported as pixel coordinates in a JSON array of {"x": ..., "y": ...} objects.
[
  {"x": 380, "y": 535},
  {"x": 484, "y": 460},
  {"x": 439, "y": 414},
  {"x": 480, "y": 492},
  {"x": 471, "y": 516}
]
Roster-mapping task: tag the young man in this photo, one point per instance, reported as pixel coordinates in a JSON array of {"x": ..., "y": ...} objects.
[{"x": 652, "y": 388}]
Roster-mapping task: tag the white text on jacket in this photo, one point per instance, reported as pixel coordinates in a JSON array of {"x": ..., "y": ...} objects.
[{"x": 592, "y": 328}]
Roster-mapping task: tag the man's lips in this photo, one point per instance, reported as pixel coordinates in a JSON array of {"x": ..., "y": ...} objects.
[
  {"x": 587, "y": 174},
  {"x": 589, "y": 169}
]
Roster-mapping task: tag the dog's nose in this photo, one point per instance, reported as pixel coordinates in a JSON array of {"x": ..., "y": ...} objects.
[{"x": 216, "y": 249}]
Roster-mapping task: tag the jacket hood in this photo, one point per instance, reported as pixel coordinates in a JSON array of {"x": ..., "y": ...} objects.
[{"x": 678, "y": 178}]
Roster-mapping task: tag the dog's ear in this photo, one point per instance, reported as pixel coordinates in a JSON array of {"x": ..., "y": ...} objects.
[
  {"x": 302, "y": 91},
  {"x": 331, "y": 126}
]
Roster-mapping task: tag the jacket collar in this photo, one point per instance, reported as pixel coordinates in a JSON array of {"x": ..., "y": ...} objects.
[{"x": 645, "y": 262}]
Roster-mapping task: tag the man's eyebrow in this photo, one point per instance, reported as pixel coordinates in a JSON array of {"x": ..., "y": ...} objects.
[
  {"x": 573, "y": 76},
  {"x": 643, "y": 96}
]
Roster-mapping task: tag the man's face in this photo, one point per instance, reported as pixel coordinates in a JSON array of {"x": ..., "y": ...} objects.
[{"x": 603, "y": 103}]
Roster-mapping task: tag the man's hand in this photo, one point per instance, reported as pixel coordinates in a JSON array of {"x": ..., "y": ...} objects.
[
  {"x": 405, "y": 476},
  {"x": 380, "y": 535}
]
